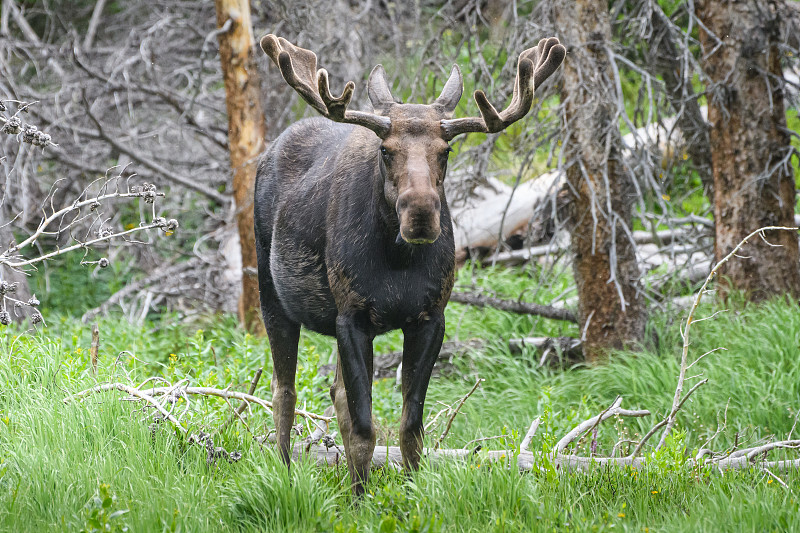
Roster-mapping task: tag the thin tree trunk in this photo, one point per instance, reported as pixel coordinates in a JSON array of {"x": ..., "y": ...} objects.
[
  {"x": 753, "y": 178},
  {"x": 611, "y": 308},
  {"x": 246, "y": 133}
]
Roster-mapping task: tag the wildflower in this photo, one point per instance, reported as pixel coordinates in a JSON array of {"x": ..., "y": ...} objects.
[
  {"x": 653, "y": 492},
  {"x": 769, "y": 481},
  {"x": 621, "y": 515}
]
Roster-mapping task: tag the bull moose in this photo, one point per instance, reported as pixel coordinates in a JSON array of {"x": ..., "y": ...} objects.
[{"x": 354, "y": 237}]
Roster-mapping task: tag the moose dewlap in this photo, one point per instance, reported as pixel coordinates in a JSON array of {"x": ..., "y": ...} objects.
[{"x": 354, "y": 236}]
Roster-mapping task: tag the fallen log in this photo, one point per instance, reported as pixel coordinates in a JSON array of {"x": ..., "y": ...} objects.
[
  {"x": 569, "y": 348},
  {"x": 514, "y": 306},
  {"x": 497, "y": 211},
  {"x": 518, "y": 257},
  {"x": 385, "y": 366},
  {"x": 525, "y": 461}
]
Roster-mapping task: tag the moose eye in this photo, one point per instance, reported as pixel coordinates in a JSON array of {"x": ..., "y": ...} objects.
[{"x": 385, "y": 153}]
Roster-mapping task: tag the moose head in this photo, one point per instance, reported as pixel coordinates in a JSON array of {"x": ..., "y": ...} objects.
[{"x": 414, "y": 138}]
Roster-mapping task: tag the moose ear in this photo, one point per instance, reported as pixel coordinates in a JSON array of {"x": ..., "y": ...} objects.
[
  {"x": 451, "y": 93},
  {"x": 378, "y": 89}
]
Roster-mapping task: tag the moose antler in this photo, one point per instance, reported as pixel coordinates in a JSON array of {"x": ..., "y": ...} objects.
[
  {"x": 533, "y": 67},
  {"x": 299, "y": 69}
]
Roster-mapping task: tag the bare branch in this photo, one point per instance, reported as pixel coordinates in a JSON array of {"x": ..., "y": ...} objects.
[
  {"x": 676, "y": 402},
  {"x": 455, "y": 412},
  {"x": 588, "y": 425}
]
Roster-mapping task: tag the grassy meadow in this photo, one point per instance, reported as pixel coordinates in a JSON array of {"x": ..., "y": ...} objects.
[{"x": 102, "y": 465}]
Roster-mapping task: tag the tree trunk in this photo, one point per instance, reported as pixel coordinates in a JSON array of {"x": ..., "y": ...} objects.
[
  {"x": 753, "y": 178},
  {"x": 246, "y": 134},
  {"x": 611, "y": 308}
]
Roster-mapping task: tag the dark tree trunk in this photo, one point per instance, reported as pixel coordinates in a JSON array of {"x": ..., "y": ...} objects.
[
  {"x": 753, "y": 178},
  {"x": 611, "y": 309},
  {"x": 246, "y": 134}
]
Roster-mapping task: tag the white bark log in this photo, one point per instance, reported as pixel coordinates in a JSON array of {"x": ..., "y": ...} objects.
[
  {"x": 525, "y": 461},
  {"x": 478, "y": 223}
]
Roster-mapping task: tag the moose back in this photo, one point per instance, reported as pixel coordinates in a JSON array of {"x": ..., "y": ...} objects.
[{"x": 354, "y": 236}]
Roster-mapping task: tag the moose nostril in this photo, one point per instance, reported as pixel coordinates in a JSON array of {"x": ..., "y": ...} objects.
[
  {"x": 437, "y": 203},
  {"x": 402, "y": 202}
]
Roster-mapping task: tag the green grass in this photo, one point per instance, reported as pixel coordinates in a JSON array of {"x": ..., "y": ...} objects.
[{"x": 78, "y": 466}]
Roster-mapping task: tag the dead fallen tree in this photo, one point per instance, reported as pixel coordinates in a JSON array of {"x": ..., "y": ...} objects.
[
  {"x": 568, "y": 349},
  {"x": 527, "y": 461},
  {"x": 513, "y": 306},
  {"x": 553, "y": 350},
  {"x": 497, "y": 210},
  {"x": 667, "y": 258},
  {"x": 385, "y": 366}
]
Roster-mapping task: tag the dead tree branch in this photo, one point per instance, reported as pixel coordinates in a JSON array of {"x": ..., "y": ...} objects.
[
  {"x": 454, "y": 413},
  {"x": 678, "y": 400}
]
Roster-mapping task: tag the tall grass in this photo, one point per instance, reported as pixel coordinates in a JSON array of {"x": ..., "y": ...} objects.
[{"x": 60, "y": 464}]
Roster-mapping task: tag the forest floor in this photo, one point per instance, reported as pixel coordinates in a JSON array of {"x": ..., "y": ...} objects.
[{"x": 101, "y": 465}]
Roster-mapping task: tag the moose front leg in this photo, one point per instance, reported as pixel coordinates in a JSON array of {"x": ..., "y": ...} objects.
[
  {"x": 421, "y": 345},
  {"x": 352, "y": 397}
]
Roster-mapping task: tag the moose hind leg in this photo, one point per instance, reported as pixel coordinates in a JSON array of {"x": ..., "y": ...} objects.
[
  {"x": 284, "y": 336},
  {"x": 352, "y": 398},
  {"x": 283, "y": 339},
  {"x": 421, "y": 345}
]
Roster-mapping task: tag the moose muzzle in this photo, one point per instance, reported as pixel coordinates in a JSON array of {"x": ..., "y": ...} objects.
[{"x": 418, "y": 212}]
